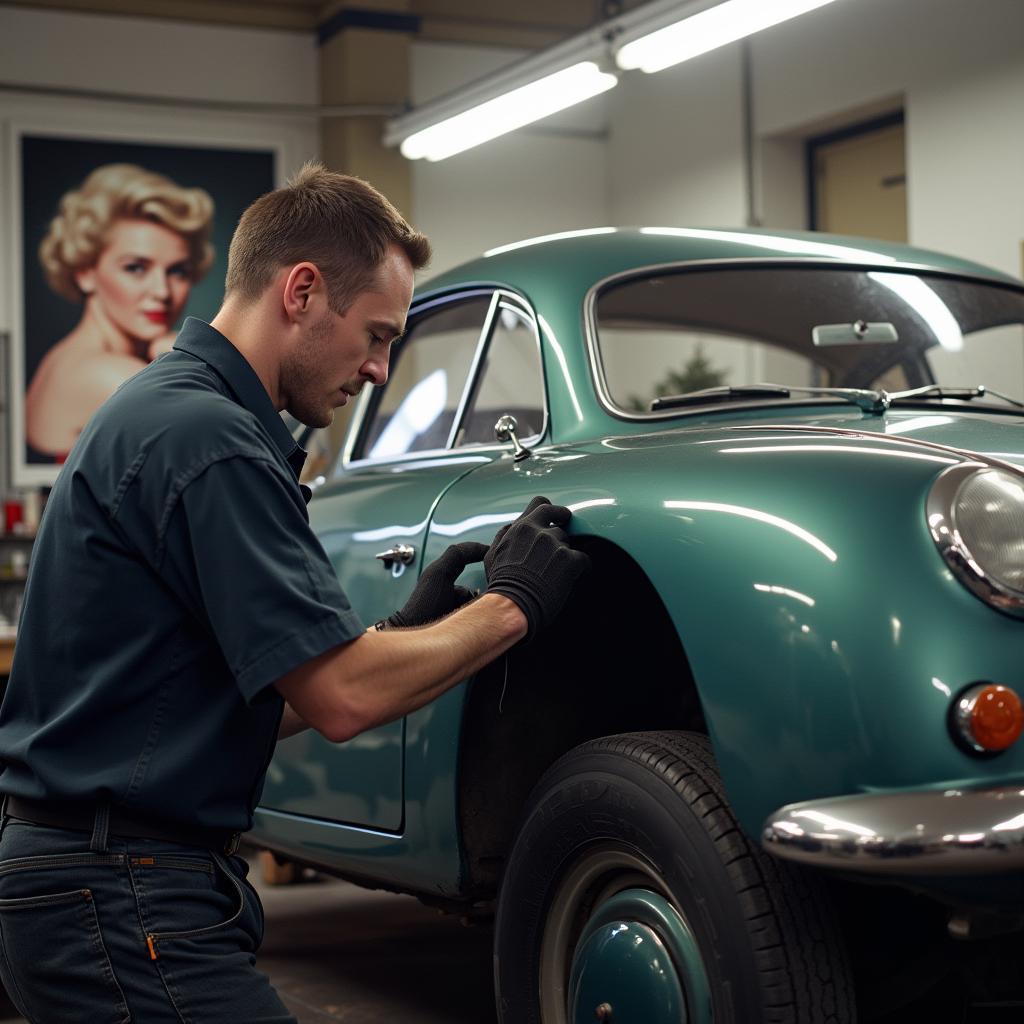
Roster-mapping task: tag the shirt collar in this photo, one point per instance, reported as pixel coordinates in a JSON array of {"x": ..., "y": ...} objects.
[{"x": 199, "y": 339}]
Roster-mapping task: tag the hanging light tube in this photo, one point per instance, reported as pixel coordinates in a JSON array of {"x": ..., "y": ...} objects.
[
  {"x": 707, "y": 30},
  {"x": 512, "y": 110},
  {"x": 655, "y": 35}
]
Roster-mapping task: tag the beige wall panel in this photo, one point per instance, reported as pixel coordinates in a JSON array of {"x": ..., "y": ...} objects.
[
  {"x": 861, "y": 185},
  {"x": 353, "y": 146}
]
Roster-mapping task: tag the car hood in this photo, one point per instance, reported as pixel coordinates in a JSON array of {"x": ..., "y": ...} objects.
[{"x": 995, "y": 436}]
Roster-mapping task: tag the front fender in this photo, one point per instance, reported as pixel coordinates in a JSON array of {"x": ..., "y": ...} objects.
[{"x": 826, "y": 637}]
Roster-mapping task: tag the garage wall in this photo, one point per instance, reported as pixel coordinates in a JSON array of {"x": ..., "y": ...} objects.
[
  {"x": 665, "y": 148},
  {"x": 538, "y": 180},
  {"x": 669, "y": 148},
  {"x": 152, "y": 58},
  {"x": 956, "y": 69},
  {"x": 675, "y": 150},
  {"x": 156, "y": 57}
]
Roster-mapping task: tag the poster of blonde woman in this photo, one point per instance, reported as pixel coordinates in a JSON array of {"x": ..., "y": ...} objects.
[{"x": 120, "y": 241}]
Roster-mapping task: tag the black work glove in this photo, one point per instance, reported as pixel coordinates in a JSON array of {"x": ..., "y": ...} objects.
[
  {"x": 436, "y": 594},
  {"x": 530, "y": 561}
]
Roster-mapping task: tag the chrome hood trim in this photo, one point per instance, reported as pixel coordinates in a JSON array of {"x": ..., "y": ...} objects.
[{"x": 916, "y": 832}]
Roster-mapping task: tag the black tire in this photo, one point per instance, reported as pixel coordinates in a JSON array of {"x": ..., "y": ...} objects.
[{"x": 646, "y": 812}]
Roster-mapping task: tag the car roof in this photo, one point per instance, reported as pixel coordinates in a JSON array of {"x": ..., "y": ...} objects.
[{"x": 578, "y": 259}]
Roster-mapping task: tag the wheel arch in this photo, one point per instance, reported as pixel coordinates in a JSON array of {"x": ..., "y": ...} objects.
[{"x": 613, "y": 662}]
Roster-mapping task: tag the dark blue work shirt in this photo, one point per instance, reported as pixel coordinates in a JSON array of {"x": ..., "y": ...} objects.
[{"x": 174, "y": 579}]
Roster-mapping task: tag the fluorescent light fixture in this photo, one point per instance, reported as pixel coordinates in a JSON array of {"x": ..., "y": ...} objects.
[
  {"x": 653, "y": 36},
  {"x": 505, "y": 113},
  {"x": 707, "y": 30}
]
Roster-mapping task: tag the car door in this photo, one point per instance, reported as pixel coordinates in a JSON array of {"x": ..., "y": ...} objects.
[
  {"x": 509, "y": 382},
  {"x": 372, "y": 518}
]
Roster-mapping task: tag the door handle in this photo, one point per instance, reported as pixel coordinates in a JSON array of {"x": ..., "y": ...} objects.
[{"x": 400, "y": 554}]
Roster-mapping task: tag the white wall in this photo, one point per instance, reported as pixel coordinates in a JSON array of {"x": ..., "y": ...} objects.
[
  {"x": 143, "y": 57},
  {"x": 665, "y": 148},
  {"x": 669, "y": 149},
  {"x": 955, "y": 66},
  {"x": 535, "y": 181},
  {"x": 148, "y": 56},
  {"x": 193, "y": 64},
  {"x": 965, "y": 153},
  {"x": 675, "y": 151}
]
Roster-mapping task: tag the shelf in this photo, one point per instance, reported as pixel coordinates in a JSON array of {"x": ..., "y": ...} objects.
[{"x": 24, "y": 538}]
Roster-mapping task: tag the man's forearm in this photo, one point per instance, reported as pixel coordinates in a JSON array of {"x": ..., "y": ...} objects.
[{"x": 382, "y": 676}]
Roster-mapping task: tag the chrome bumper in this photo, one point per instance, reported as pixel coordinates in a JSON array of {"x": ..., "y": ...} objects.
[{"x": 922, "y": 832}]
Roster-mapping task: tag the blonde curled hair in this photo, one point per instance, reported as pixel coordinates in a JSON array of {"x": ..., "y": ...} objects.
[{"x": 115, "y": 192}]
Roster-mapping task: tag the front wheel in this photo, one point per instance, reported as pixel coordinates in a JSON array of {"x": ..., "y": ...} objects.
[{"x": 631, "y": 896}]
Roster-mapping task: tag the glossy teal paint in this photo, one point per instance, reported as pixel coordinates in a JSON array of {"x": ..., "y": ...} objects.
[
  {"x": 361, "y": 782},
  {"x": 424, "y": 857},
  {"x": 638, "y": 956},
  {"x": 805, "y": 523},
  {"x": 556, "y": 277},
  {"x": 625, "y": 967},
  {"x": 855, "y": 636}
]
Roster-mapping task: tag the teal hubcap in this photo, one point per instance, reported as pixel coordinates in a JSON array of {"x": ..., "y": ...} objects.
[{"x": 637, "y": 962}]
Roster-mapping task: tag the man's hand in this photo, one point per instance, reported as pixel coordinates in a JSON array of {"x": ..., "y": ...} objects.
[
  {"x": 530, "y": 561},
  {"x": 436, "y": 594}
]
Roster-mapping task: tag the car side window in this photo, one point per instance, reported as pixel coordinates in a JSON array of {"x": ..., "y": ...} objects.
[
  {"x": 416, "y": 408},
  {"x": 510, "y": 380}
]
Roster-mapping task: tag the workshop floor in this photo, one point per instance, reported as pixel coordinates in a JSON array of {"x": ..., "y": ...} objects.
[{"x": 336, "y": 952}]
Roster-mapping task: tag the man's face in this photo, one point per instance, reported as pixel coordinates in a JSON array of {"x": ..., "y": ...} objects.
[{"x": 341, "y": 352}]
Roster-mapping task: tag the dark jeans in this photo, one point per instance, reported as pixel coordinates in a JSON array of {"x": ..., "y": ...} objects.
[{"x": 143, "y": 931}]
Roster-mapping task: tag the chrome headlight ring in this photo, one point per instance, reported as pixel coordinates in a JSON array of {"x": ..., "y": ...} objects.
[{"x": 976, "y": 516}]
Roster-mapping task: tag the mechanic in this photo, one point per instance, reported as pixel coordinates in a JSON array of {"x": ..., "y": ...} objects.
[{"x": 180, "y": 616}]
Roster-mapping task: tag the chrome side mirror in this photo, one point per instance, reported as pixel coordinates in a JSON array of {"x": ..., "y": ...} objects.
[{"x": 505, "y": 430}]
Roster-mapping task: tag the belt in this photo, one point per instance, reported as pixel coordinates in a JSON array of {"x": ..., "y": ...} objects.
[{"x": 80, "y": 816}]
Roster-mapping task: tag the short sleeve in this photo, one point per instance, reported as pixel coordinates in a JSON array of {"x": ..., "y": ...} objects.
[{"x": 240, "y": 552}]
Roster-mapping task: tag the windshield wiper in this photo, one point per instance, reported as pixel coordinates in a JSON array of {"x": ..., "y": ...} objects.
[
  {"x": 940, "y": 392},
  {"x": 869, "y": 401},
  {"x": 723, "y": 393}
]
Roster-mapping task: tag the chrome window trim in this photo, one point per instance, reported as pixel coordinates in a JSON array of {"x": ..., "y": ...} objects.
[
  {"x": 511, "y": 301},
  {"x": 596, "y": 364},
  {"x": 474, "y": 368},
  {"x": 941, "y": 519},
  {"x": 355, "y": 429}
]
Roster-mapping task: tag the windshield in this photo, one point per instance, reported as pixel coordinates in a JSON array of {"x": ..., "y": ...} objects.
[{"x": 674, "y": 332}]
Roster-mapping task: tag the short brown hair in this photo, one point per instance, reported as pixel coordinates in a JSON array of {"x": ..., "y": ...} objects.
[
  {"x": 79, "y": 232},
  {"x": 340, "y": 223}
]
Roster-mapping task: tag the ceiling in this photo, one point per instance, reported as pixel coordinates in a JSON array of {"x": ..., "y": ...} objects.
[{"x": 524, "y": 23}]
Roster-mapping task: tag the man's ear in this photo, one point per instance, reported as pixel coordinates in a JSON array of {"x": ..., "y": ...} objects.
[{"x": 301, "y": 286}]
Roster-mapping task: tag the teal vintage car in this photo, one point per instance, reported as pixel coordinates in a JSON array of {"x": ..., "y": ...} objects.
[{"x": 765, "y": 766}]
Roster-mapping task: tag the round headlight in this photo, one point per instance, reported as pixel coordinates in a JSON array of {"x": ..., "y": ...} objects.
[{"x": 976, "y": 517}]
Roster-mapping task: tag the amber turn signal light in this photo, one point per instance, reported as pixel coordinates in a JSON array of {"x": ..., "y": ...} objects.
[{"x": 988, "y": 717}]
